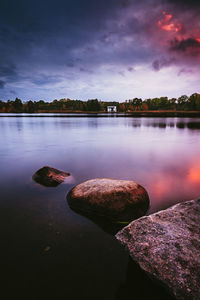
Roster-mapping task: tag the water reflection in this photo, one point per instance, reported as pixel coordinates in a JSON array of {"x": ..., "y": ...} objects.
[
  {"x": 189, "y": 125},
  {"x": 164, "y": 123},
  {"x": 153, "y": 152},
  {"x": 193, "y": 176},
  {"x": 160, "y": 154},
  {"x": 107, "y": 226},
  {"x": 140, "y": 286},
  {"x": 182, "y": 182}
]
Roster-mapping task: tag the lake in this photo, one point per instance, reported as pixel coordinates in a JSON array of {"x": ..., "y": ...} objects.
[{"x": 49, "y": 251}]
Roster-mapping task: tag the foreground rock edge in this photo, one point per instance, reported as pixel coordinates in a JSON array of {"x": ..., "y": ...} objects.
[
  {"x": 111, "y": 199},
  {"x": 166, "y": 245}
]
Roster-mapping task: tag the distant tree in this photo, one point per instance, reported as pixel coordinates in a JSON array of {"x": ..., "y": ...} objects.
[
  {"x": 149, "y": 103},
  {"x": 172, "y": 103},
  {"x": 131, "y": 108},
  {"x": 137, "y": 103},
  {"x": 122, "y": 107},
  {"x": 93, "y": 105},
  {"x": 194, "y": 102},
  {"x": 163, "y": 102},
  {"x": 1, "y": 104},
  {"x": 30, "y": 106},
  {"x": 17, "y": 104},
  {"x": 145, "y": 106},
  {"x": 182, "y": 102}
]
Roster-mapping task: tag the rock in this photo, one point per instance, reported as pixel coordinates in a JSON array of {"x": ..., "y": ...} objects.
[
  {"x": 47, "y": 248},
  {"x": 115, "y": 200},
  {"x": 167, "y": 246},
  {"x": 48, "y": 176}
]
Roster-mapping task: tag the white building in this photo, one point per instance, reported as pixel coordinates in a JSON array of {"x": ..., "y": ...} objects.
[{"x": 111, "y": 108}]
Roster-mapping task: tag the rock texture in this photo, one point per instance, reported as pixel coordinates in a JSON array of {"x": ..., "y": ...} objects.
[
  {"x": 116, "y": 200},
  {"x": 48, "y": 176},
  {"x": 167, "y": 246}
]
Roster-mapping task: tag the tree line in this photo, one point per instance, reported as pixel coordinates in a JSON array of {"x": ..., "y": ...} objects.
[{"x": 183, "y": 103}]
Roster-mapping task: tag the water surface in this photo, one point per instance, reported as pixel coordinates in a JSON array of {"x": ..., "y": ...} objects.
[{"x": 48, "y": 251}]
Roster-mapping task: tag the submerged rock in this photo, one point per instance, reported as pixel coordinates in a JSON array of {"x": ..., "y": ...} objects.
[
  {"x": 167, "y": 246},
  {"x": 48, "y": 176},
  {"x": 115, "y": 200}
]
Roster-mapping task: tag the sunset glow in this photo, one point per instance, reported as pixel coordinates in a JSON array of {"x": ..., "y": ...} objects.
[
  {"x": 159, "y": 188},
  {"x": 194, "y": 174},
  {"x": 168, "y": 24}
]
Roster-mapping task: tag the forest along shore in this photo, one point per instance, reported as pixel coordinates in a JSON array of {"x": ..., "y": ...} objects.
[{"x": 135, "y": 105}]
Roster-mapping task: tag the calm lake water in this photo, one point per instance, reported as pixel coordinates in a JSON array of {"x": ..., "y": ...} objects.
[{"x": 49, "y": 251}]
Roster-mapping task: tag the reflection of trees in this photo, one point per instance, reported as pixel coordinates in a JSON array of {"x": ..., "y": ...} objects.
[
  {"x": 189, "y": 125},
  {"x": 164, "y": 124}
]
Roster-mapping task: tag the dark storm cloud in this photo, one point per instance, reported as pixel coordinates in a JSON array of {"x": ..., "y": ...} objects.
[
  {"x": 42, "y": 79},
  {"x": 185, "y": 3},
  {"x": 2, "y": 84},
  {"x": 67, "y": 33},
  {"x": 35, "y": 21},
  {"x": 190, "y": 44},
  {"x": 13, "y": 92},
  {"x": 160, "y": 63},
  {"x": 7, "y": 70},
  {"x": 7, "y": 74},
  {"x": 33, "y": 33},
  {"x": 45, "y": 43},
  {"x": 57, "y": 34},
  {"x": 178, "y": 34}
]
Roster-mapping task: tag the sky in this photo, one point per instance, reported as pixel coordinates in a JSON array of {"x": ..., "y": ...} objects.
[{"x": 112, "y": 50}]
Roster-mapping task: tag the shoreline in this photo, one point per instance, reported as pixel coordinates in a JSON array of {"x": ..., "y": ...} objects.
[{"x": 165, "y": 114}]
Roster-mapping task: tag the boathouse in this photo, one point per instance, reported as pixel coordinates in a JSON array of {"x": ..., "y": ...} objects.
[{"x": 111, "y": 108}]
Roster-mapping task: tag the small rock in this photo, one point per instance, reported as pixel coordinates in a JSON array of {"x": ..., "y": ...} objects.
[
  {"x": 166, "y": 245},
  {"x": 112, "y": 199},
  {"x": 47, "y": 248},
  {"x": 48, "y": 176}
]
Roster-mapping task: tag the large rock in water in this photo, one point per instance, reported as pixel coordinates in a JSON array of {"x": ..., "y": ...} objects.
[
  {"x": 48, "y": 176},
  {"x": 115, "y": 200},
  {"x": 167, "y": 246}
]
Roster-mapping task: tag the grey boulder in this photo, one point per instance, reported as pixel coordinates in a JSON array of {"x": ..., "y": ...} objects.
[
  {"x": 167, "y": 246},
  {"x": 112, "y": 199}
]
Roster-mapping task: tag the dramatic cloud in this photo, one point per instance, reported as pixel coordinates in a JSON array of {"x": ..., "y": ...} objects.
[
  {"x": 168, "y": 24},
  {"x": 106, "y": 49},
  {"x": 190, "y": 46},
  {"x": 2, "y": 84},
  {"x": 162, "y": 62}
]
